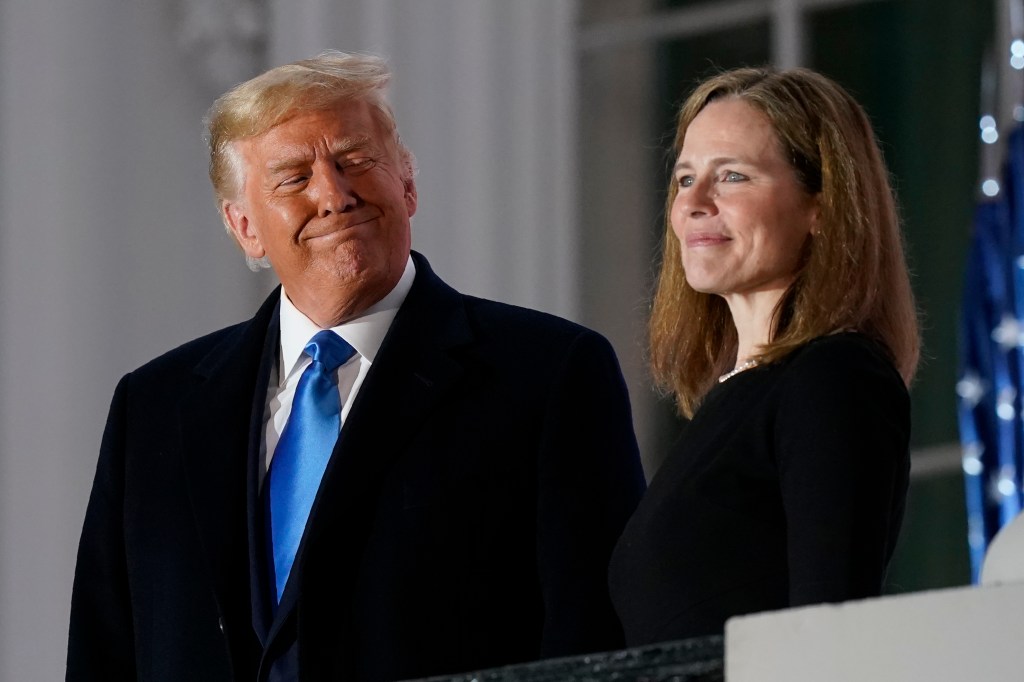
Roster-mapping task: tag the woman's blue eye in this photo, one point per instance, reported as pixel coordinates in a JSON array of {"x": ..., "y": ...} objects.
[
  {"x": 733, "y": 176},
  {"x": 686, "y": 181}
]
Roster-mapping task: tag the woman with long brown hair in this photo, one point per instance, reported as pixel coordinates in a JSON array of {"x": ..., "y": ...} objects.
[{"x": 784, "y": 325}]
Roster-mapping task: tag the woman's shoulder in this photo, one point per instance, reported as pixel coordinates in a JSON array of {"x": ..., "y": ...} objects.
[
  {"x": 841, "y": 394},
  {"x": 842, "y": 350},
  {"x": 846, "y": 360}
]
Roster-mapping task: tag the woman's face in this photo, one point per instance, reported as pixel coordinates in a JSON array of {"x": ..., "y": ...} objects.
[{"x": 740, "y": 214}]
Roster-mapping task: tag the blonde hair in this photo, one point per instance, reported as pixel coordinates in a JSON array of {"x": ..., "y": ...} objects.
[
  {"x": 853, "y": 276},
  {"x": 257, "y": 105}
]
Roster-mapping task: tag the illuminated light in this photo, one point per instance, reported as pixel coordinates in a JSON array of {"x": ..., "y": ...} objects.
[
  {"x": 970, "y": 389},
  {"x": 975, "y": 450},
  {"x": 1007, "y": 334},
  {"x": 1007, "y": 395},
  {"x": 989, "y": 131},
  {"x": 972, "y": 466},
  {"x": 1020, "y": 262},
  {"x": 971, "y": 458},
  {"x": 1017, "y": 62},
  {"x": 1006, "y": 484},
  {"x": 990, "y": 187},
  {"x": 1017, "y": 48},
  {"x": 976, "y": 539},
  {"x": 1018, "y": 113},
  {"x": 976, "y": 530}
]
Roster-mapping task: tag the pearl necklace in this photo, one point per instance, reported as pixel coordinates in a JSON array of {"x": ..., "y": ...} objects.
[{"x": 747, "y": 364}]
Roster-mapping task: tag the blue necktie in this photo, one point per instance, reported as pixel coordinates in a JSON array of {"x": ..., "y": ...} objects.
[{"x": 304, "y": 449}]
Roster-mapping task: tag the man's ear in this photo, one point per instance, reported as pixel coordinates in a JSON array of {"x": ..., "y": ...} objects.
[
  {"x": 238, "y": 223},
  {"x": 411, "y": 197}
]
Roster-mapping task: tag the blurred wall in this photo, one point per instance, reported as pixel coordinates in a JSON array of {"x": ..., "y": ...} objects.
[{"x": 111, "y": 251}]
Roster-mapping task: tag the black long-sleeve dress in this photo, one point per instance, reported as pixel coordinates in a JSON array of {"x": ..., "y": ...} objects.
[{"x": 786, "y": 488}]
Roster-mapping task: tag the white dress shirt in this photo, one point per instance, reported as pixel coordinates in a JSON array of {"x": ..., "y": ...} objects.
[{"x": 364, "y": 333}]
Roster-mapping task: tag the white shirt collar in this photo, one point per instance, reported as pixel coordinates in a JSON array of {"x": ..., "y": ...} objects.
[{"x": 365, "y": 333}]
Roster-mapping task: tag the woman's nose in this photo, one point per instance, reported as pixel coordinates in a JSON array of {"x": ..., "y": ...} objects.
[{"x": 698, "y": 199}]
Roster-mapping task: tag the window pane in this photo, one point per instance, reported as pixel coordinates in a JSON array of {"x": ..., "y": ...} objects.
[
  {"x": 916, "y": 70},
  {"x": 682, "y": 63}
]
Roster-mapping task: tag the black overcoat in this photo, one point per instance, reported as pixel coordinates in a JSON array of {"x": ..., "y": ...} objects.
[{"x": 465, "y": 519}]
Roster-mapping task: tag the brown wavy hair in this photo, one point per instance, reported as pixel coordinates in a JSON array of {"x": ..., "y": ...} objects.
[{"x": 854, "y": 275}]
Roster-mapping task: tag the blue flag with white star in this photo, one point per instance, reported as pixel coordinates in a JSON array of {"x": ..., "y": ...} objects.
[{"x": 992, "y": 360}]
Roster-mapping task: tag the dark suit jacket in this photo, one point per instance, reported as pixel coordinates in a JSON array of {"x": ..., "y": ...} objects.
[{"x": 465, "y": 520}]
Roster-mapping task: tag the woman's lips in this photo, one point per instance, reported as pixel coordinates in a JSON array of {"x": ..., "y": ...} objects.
[{"x": 696, "y": 239}]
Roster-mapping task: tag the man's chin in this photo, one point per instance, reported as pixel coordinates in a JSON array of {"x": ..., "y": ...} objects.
[{"x": 350, "y": 277}]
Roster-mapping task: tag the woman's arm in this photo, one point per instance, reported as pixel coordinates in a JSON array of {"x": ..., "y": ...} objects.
[{"x": 842, "y": 441}]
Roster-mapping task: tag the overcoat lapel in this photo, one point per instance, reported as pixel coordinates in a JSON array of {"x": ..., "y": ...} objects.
[
  {"x": 259, "y": 545},
  {"x": 215, "y": 432}
]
